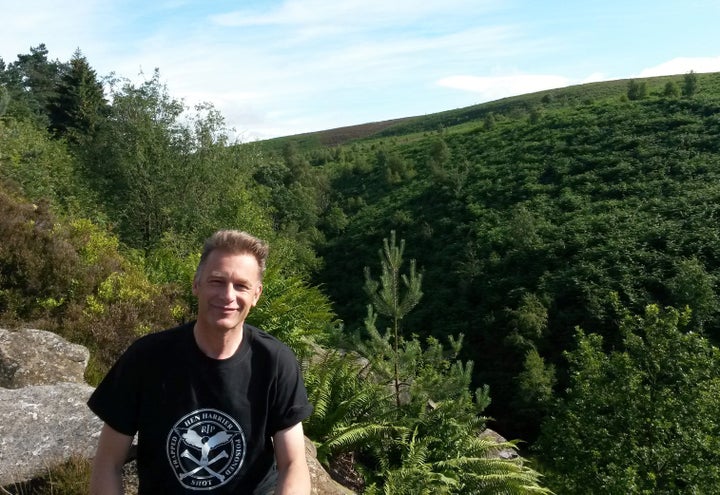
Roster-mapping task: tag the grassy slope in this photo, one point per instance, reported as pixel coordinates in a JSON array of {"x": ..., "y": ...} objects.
[{"x": 515, "y": 105}]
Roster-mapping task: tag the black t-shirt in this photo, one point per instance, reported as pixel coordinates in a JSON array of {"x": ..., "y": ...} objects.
[{"x": 202, "y": 424}]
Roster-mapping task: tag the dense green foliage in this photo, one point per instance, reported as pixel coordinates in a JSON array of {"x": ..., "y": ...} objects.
[
  {"x": 410, "y": 414},
  {"x": 522, "y": 230},
  {"x": 629, "y": 415},
  {"x": 527, "y": 218}
]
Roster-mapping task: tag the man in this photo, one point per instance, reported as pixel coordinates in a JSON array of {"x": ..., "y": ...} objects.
[{"x": 217, "y": 404}]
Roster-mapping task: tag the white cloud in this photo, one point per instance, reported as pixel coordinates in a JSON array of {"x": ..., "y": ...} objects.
[
  {"x": 594, "y": 77},
  {"x": 494, "y": 87},
  {"x": 305, "y": 77},
  {"x": 49, "y": 22},
  {"x": 682, "y": 65},
  {"x": 351, "y": 12}
]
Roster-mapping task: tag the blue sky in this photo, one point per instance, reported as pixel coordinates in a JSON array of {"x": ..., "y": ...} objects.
[{"x": 276, "y": 68}]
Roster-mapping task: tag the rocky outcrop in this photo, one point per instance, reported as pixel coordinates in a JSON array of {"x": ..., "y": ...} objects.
[
  {"x": 322, "y": 483},
  {"x": 42, "y": 426},
  {"x": 503, "y": 449},
  {"x": 45, "y": 419},
  {"x": 42, "y": 404},
  {"x": 36, "y": 357}
]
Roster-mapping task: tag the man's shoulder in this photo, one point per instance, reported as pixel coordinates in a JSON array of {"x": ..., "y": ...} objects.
[
  {"x": 164, "y": 338},
  {"x": 260, "y": 339}
]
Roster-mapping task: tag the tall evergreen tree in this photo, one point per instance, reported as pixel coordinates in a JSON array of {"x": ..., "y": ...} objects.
[
  {"x": 387, "y": 299},
  {"x": 437, "y": 446},
  {"x": 31, "y": 83},
  {"x": 79, "y": 103}
]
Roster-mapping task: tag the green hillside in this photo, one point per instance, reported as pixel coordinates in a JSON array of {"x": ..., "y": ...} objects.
[{"x": 525, "y": 224}]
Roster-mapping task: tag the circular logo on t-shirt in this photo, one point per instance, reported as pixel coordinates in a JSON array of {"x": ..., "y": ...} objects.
[{"x": 206, "y": 448}]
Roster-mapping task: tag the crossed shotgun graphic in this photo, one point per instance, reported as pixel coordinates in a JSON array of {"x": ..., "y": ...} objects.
[{"x": 206, "y": 445}]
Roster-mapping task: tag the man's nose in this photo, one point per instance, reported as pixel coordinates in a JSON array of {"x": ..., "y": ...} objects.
[{"x": 229, "y": 292}]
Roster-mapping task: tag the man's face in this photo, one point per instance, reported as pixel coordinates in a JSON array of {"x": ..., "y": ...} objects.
[{"x": 227, "y": 287}]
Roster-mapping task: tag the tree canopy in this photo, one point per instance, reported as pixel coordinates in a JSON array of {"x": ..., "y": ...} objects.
[{"x": 643, "y": 418}]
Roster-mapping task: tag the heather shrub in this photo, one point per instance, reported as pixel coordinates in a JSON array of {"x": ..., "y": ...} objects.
[
  {"x": 75, "y": 279},
  {"x": 38, "y": 273}
]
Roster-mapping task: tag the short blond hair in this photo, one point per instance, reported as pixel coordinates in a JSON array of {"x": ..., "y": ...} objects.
[{"x": 235, "y": 242}]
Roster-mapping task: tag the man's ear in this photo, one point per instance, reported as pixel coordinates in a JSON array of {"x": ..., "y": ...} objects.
[
  {"x": 258, "y": 292},
  {"x": 195, "y": 286}
]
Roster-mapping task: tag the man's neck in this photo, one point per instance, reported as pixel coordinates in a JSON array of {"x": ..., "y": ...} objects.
[{"x": 218, "y": 343}]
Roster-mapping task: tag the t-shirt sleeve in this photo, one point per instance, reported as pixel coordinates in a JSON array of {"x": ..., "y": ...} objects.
[
  {"x": 115, "y": 400},
  {"x": 291, "y": 404}
]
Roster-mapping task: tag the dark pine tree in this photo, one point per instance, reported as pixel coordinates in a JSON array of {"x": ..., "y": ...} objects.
[
  {"x": 31, "y": 83},
  {"x": 79, "y": 103}
]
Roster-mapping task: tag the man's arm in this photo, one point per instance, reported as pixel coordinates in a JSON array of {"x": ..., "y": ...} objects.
[
  {"x": 293, "y": 473},
  {"x": 112, "y": 451}
]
